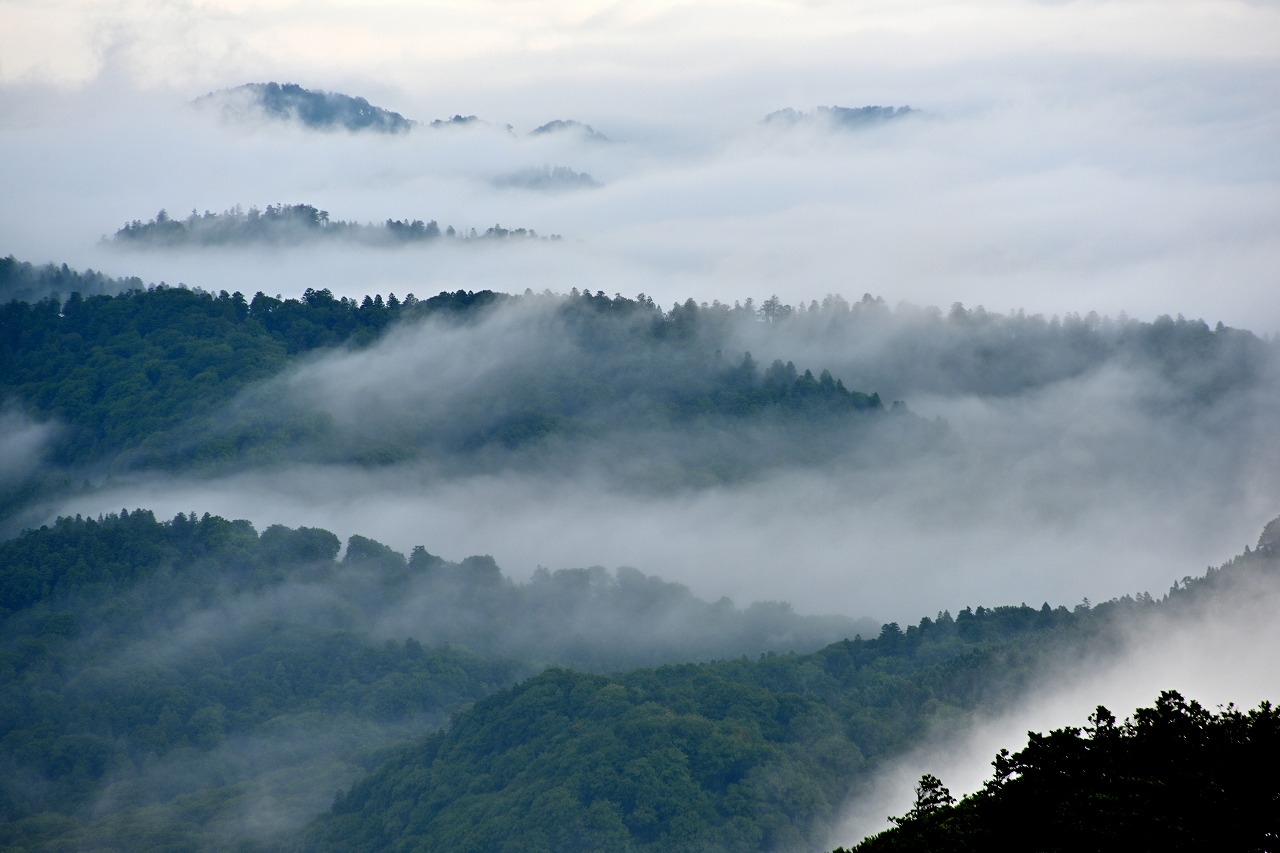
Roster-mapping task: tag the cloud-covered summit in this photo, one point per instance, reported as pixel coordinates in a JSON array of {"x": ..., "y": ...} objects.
[
  {"x": 838, "y": 118},
  {"x": 317, "y": 110}
]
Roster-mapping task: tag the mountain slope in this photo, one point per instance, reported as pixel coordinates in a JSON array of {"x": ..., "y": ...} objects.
[
  {"x": 170, "y": 683},
  {"x": 735, "y": 755},
  {"x": 317, "y": 110}
]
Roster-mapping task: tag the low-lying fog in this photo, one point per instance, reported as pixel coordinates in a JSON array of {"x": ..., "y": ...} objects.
[
  {"x": 1044, "y": 487},
  {"x": 1121, "y": 175}
]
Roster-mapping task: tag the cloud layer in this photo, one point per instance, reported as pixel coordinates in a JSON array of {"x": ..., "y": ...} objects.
[{"x": 1068, "y": 156}]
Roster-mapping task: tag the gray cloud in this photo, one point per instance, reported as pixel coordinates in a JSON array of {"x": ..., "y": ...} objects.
[
  {"x": 24, "y": 441},
  {"x": 1053, "y": 184}
]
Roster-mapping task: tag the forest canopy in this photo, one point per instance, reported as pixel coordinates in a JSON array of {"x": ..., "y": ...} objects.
[{"x": 296, "y": 223}]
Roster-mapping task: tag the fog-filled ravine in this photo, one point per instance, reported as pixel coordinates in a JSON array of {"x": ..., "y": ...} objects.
[
  {"x": 650, "y": 426},
  {"x": 197, "y": 684},
  {"x": 761, "y": 452}
]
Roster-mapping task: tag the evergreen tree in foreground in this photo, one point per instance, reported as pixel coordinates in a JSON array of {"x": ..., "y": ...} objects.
[{"x": 1175, "y": 776}]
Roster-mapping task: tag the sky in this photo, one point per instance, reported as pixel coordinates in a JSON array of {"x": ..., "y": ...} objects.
[{"x": 1069, "y": 156}]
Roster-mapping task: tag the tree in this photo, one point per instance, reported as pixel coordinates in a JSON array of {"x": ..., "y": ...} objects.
[{"x": 931, "y": 796}]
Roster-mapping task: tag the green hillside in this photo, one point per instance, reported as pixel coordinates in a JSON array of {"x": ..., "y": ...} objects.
[{"x": 732, "y": 755}]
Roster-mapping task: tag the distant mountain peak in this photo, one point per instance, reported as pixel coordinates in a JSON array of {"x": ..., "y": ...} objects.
[
  {"x": 314, "y": 109},
  {"x": 586, "y": 131},
  {"x": 549, "y": 178},
  {"x": 844, "y": 118},
  {"x": 456, "y": 121}
]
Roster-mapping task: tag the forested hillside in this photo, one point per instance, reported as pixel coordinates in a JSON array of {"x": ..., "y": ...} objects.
[
  {"x": 200, "y": 683},
  {"x": 164, "y": 680},
  {"x": 732, "y": 755},
  {"x": 165, "y": 376},
  {"x": 171, "y": 378}
]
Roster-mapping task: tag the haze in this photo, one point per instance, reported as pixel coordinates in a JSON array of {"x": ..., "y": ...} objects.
[
  {"x": 1068, "y": 157},
  {"x": 1065, "y": 158}
]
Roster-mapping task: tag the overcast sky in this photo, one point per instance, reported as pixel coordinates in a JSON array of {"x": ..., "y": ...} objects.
[{"x": 1070, "y": 156}]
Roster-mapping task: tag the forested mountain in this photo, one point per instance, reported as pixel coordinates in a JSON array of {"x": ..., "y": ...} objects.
[
  {"x": 196, "y": 684},
  {"x": 164, "y": 680},
  {"x": 733, "y": 755},
  {"x": 1175, "y": 776},
  {"x": 299, "y": 223},
  {"x": 175, "y": 378},
  {"x": 149, "y": 378},
  {"x": 309, "y": 108},
  {"x": 193, "y": 684},
  {"x": 569, "y": 126},
  {"x": 320, "y": 110}
]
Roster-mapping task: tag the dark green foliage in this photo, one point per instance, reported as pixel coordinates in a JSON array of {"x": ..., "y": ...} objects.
[
  {"x": 157, "y": 675},
  {"x": 592, "y": 375},
  {"x": 657, "y": 760},
  {"x": 728, "y": 756},
  {"x": 120, "y": 372},
  {"x": 317, "y": 110},
  {"x": 138, "y": 678},
  {"x": 50, "y": 563},
  {"x": 147, "y": 378},
  {"x": 732, "y": 755},
  {"x": 160, "y": 678},
  {"x": 1175, "y": 776}
]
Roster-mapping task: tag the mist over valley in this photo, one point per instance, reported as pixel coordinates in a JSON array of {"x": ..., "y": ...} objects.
[{"x": 546, "y": 427}]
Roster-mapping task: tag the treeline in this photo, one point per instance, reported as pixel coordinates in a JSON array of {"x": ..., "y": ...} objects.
[
  {"x": 165, "y": 679},
  {"x": 733, "y": 755},
  {"x": 24, "y": 282},
  {"x": 294, "y": 223},
  {"x": 588, "y": 618},
  {"x": 119, "y": 369},
  {"x": 145, "y": 377},
  {"x": 1175, "y": 776},
  {"x": 653, "y": 398}
]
